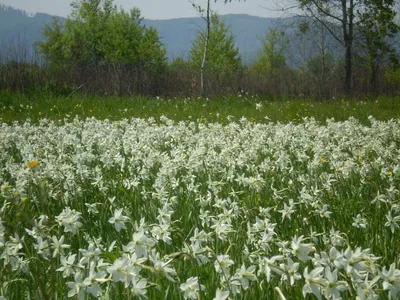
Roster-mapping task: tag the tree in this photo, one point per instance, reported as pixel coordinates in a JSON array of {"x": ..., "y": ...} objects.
[
  {"x": 312, "y": 52},
  {"x": 272, "y": 57},
  {"x": 336, "y": 12},
  {"x": 347, "y": 15},
  {"x": 222, "y": 55},
  {"x": 377, "y": 26},
  {"x": 321, "y": 69},
  {"x": 97, "y": 33},
  {"x": 206, "y": 15}
]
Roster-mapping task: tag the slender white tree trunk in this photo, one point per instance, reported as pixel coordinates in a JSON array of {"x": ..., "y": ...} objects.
[{"x": 203, "y": 63}]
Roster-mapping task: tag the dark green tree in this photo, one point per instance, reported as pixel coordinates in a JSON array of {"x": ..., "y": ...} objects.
[{"x": 97, "y": 33}]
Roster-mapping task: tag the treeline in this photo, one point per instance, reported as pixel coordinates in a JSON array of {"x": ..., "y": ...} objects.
[{"x": 104, "y": 50}]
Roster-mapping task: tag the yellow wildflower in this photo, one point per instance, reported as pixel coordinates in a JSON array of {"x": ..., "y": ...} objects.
[{"x": 33, "y": 164}]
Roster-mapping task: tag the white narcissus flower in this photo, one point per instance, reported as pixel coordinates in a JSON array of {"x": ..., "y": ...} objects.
[
  {"x": 269, "y": 265},
  {"x": 392, "y": 222},
  {"x": 162, "y": 232},
  {"x": 42, "y": 247},
  {"x": 223, "y": 263},
  {"x": 15, "y": 244},
  {"x": 332, "y": 286},
  {"x": 287, "y": 210},
  {"x": 222, "y": 228},
  {"x": 162, "y": 268},
  {"x": 58, "y": 245},
  {"x": 365, "y": 290},
  {"x": 359, "y": 222},
  {"x": 198, "y": 252},
  {"x": 323, "y": 211},
  {"x": 244, "y": 276},
  {"x": 118, "y": 270},
  {"x": 140, "y": 244},
  {"x": 391, "y": 279},
  {"x": 92, "y": 208},
  {"x": 67, "y": 265},
  {"x": 301, "y": 250},
  {"x": 191, "y": 288},
  {"x": 221, "y": 295},
  {"x": 94, "y": 280},
  {"x": 70, "y": 220},
  {"x": 354, "y": 262},
  {"x": 92, "y": 253},
  {"x": 126, "y": 269},
  {"x": 314, "y": 282},
  {"x": 291, "y": 270},
  {"x": 139, "y": 287},
  {"x": 76, "y": 287},
  {"x": 118, "y": 220}
]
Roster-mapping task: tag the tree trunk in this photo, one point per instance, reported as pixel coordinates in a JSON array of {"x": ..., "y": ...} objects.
[
  {"x": 373, "y": 79},
  {"x": 347, "y": 26},
  {"x": 203, "y": 63},
  {"x": 348, "y": 69},
  {"x": 323, "y": 90}
]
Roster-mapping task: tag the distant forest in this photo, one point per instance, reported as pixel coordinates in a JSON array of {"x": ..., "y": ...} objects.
[
  {"x": 177, "y": 35},
  {"x": 296, "y": 56}
]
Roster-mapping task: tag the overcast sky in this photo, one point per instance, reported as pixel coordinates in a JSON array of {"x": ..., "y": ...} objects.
[{"x": 157, "y": 9}]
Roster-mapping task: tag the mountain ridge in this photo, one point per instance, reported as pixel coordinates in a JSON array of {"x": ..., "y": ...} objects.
[{"x": 177, "y": 34}]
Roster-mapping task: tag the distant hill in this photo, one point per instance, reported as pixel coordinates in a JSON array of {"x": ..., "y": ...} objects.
[
  {"x": 17, "y": 27},
  {"x": 178, "y": 34}
]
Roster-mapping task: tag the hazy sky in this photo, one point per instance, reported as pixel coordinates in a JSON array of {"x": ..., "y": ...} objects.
[{"x": 157, "y": 9}]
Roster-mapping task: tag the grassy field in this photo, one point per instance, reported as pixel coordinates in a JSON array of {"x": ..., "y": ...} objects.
[
  {"x": 214, "y": 207},
  {"x": 20, "y": 107}
]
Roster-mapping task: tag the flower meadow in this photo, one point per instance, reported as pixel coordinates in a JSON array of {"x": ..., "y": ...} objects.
[{"x": 158, "y": 209}]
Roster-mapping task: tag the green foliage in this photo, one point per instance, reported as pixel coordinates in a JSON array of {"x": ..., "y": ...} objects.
[
  {"x": 272, "y": 57},
  {"x": 393, "y": 76},
  {"x": 179, "y": 63},
  {"x": 223, "y": 56},
  {"x": 97, "y": 33},
  {"x": 370, "y": 23},
  {"x": 377, "y": 26},
  {"x": 54, "y": 47}
]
